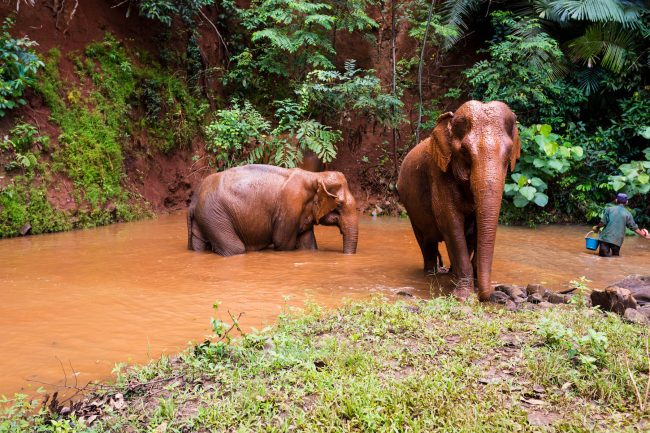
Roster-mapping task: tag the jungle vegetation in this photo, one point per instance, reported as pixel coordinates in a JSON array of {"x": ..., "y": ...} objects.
[{"x": 574, "y": 71}]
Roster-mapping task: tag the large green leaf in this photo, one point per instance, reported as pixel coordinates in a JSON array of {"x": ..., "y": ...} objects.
[
  {"x": 520, "y": 201},
  {"x": 577, "y": 151},
  {"x": 523, "y": 180},
  {"x": 528, "y": 192},
  {"x": 617, "y": 184},
  {"x": 540, "y": 199}
]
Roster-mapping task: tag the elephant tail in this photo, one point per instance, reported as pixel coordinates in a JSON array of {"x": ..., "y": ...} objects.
[
  {"x": 193, "y": 242},
  {"x": 190, "y": 223}
]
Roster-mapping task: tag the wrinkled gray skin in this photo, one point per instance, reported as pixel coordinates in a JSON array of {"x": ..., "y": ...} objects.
[
  {"x": 252, "y": 207},
  {"x": 451, "y": 185}
]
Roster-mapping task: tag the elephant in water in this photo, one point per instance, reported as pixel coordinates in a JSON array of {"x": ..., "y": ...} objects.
[
  {"x": 252, "y": 207},
  {"x": 452, "y": 183}
]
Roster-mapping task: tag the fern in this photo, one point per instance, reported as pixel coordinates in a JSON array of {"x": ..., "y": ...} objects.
[{"x": 353, "y": 90}]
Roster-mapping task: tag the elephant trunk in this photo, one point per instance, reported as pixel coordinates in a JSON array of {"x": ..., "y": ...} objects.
[
  {"x": 487, "y": 193},
  {"x": 349, "y": 225}
]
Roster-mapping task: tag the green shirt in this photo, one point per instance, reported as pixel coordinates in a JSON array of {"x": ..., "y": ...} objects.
[{"x": 615, "y": 219}]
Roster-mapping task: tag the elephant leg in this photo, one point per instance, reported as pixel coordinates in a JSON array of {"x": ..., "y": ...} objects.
[
  {"x": 195, "y": 239},
  {"x": 459, "y": 255},
  {"x": 429, "y": 252},
  {"x": 472, "y": 242},
  {"x": 307, "y": 241},
  {"x": 225, "y": 241},
  {"x": 198, "y": 244}
]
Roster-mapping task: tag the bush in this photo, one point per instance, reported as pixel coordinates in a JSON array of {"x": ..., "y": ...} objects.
[
  {"x": 242, "y": 135},
  {"x": 545, "y": 157},
  {"x": 18, "y": 67}
]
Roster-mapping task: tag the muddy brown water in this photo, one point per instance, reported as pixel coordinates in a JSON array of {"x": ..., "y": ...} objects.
[{"x": 82, "y": 301}]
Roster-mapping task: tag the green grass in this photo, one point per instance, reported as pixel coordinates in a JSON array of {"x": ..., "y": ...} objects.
[{"x": 379, "y": 366}]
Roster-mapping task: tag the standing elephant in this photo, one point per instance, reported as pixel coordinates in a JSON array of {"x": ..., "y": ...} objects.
[
  {"x": 252, "y": 207},
  {"x": 452, "y": 183}
]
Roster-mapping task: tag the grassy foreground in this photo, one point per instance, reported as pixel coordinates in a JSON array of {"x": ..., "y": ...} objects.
[{"x": 378, "y": 365}]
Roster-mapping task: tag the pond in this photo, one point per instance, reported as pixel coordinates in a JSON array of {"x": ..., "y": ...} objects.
[{"x": 82, "y": 301}]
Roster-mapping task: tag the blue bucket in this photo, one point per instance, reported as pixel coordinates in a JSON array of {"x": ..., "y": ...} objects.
[{"x": 591, "y": 243}]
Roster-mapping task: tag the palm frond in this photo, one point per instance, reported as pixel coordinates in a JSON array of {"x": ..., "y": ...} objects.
[
  {"x": 455, "y": 14},
  {"x": 590, "y": 80},
  {"x": 610, "y": 43},
  {"x": 627, "y": 13}
]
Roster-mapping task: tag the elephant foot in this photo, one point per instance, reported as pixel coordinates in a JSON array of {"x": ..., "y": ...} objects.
[{"x": 464, "y": 288}]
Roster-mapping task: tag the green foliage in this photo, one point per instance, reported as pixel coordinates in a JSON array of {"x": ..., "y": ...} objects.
[
  {"x": 242, "y": 135},
  {"x": 545, "y": 157},
  {"x": 165, "y": 10},
  {"x": 634, "y": 178},
  {"x": 96, "y": 124},
  {"x": 330, "y": 92},
  {"x": 22, "y": 138},
  {"x": 454, "y": 14},
  {"x": 588, "y": 351},
  {"x": 18, "y": 67},
  {"x": 562, "y": 11},
  {"x": 612, "y": 44},
  {"x": 444, "y": 27},
  {"x": 21, "y": 415},
  {"x": 230, "y": 135},
  {"x": 523, "y": 71},
  {"x": 22, "y": 203},
  {"x": 286, "y": 39}
]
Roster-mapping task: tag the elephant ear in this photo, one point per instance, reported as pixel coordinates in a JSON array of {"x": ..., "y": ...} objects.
[
  {"x": 441, "y": 141},
  {"x": 516, "y": 147},
  {"x": 324, "y": 202}
]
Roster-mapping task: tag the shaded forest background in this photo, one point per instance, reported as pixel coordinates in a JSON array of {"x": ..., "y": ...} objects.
[{"x": 114, "y": 110}]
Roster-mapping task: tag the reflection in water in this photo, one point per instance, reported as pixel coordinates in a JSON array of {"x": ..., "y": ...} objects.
[{"x": 91, "y": 298}]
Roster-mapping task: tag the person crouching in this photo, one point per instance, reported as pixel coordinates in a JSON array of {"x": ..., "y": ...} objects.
[{"x": 613, "y": 223}]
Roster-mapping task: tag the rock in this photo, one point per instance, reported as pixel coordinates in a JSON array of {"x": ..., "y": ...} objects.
[
  {"x": 615, "y": 299},
  {"x": 535, "y": 298},
  {"x": 499, "y": 297},
  {"x": 536, "y": 288},
  {"x": 645, "y": 310},
  {"x": 557, "y": 298},
  {"x": 542, "y": 419},
  {"x": 639, "y": 287},
  {"x": 635, "y": 316},
  {"x": 513, "y": 291},
  {"x": 511, "y": 306},
  {"x": 544, "y": 305},
  {"x": 25, "y": 229}
]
